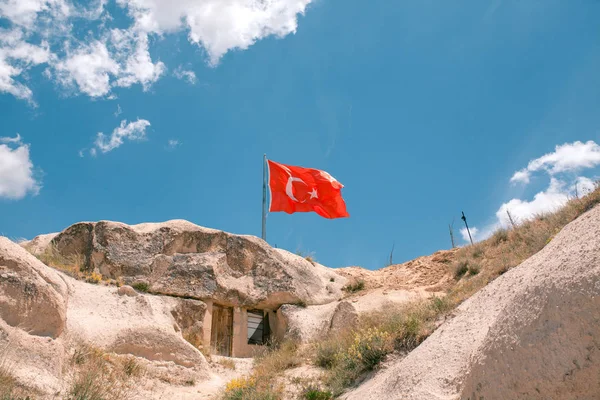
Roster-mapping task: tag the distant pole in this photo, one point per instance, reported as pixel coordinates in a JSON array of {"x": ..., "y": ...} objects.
[
  {"x": 450, "y": 226},
  {"x": 264, "y": 201},
  {"x": 468, "y": 231}
]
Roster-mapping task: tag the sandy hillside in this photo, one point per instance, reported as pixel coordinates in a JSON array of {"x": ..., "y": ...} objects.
[{"x": 429, "y": 273}]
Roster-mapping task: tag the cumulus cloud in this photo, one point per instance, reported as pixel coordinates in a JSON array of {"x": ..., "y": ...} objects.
[
  {"x": 16, "y": 170},
  {"x": 95, "y": 60},
  {"x": 560, "y": 166},
  {"x": 182, "y": 74},
  {"x": 216, "y": 25},
  {"x": 135, "y": 131},
  {"x": 548, "y": 200},
  {"x": 88, "y": 68},
  {"x": 17, "y": 56},
  {"x": 569, "y": 157}
]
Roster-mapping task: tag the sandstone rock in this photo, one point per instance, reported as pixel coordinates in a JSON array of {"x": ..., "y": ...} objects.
[
  {"x": 305, "y": 323},
  {"x": 533, "y": 333},
  {"x": 155, "y": 344},
  {"x": 144, "y": 325},
  {"x": 345, "y": 316},
  {"x": 182, "y": 259},
  {"x": 127, "y": 290},
  {"x": 32, "y": 296},
  {"x": 39, "y": 244},
  {"x": 189, "y": 315}
]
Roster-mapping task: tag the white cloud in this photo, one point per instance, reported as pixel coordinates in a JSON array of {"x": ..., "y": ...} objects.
[
  {"x": 119, "y": 110},
  {"x": 135, "y": 130},
  {"x": 16, "y": 171},
  {"x": 465, "y": 234},
  {"x": 583, "y": 186},
  {"x": 569, "y": 157},
  {"x": 95, "y": 60},
  {"x": 172, "y": 144},
  {"x": 182, "y": 74},
  {"x": 217, "y": 25},
  {"x": 549, "y": 200},
  {"x": 16, "y": 56},
  {"x": 137, "y": 64},
  {"x": 8, "y": 140},
  {"x": 89, "y": 68}
]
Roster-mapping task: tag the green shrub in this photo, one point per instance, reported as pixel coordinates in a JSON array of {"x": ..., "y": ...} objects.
[
  {"x": 355, "y": 287},
  {"x": 460, "y": 269},
  {"x": 313, "y": 392},
  {"x": 141, "y": 287},
  {"x": 474, "y": 268}
]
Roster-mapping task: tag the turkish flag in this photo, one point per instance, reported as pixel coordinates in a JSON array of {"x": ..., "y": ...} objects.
[{"x": 298, "y": 189}]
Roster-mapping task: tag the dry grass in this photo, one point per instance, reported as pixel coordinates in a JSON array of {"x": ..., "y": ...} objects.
[
  {"x": 98, "y": 376},
  {"x": 73, "y": 265},
  {"x": 227, "y": 363},
  {"x": 9, "y": 387},
  {"x": 506, "y": 249},
  {"x": 263, "y": 383},
  {"x": 355, "y": 286}
]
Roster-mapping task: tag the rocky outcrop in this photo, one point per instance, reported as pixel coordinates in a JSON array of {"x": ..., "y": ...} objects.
[
  {"x": 46, "y": 315},
  {"x": 533, "y": 333},
  {"x": 182, "y": 259},
  {"x": 32, "y": 296}
]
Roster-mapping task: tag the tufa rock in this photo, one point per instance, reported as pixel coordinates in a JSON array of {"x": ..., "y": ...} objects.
[
  {"x": 32, "y": 296},
  {"x": 182, "y": 259},
  {"x": 127, "y": 290}
]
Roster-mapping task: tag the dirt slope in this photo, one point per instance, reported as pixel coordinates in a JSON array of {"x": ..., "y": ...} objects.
[{"x": 431, "y": 273}]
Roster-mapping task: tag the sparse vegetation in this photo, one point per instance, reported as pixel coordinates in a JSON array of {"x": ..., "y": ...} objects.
[
  {"x": 355, "y": 286},
  {"x": 227, "y": 363},
  {"x": 474, "y": 268},
  {"x": 461, "y": 269},
  {"x": 97, "y": 376},
  {"x": 314, "y": 392},
  {"x": 71, "y": 265},
  {"x": 506, "y": 249},
  {"x": 9, "y": 388},
  {"x": 94, "y": 278},
  {"x": 300, "y": 303},
  {"x": 141, "y": 287}
]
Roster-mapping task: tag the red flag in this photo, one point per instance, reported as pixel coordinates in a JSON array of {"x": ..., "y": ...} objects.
[{"x": 298, "y": 189}]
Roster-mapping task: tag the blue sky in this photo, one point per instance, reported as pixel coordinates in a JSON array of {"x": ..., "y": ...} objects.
[{"x": 422, "y": 109}]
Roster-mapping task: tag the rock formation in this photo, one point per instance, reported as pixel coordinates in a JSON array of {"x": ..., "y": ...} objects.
[
  {"x": 182, "y": 259},
  {"x": 45, "y": 315}
]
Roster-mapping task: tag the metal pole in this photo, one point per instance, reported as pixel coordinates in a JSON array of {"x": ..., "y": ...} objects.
[
  {"x": 264, "y": 200},
  {"x": 465, "y": 219}
]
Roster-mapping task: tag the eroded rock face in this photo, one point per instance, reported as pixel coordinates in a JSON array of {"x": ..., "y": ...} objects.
[
  {"x": 32, "y": 296},
  {"x": 533, "y": 333},
  {"x": 182, "y": 259}
]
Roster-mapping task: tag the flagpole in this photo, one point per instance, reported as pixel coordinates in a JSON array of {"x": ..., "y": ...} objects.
[{"x": 264, "y": 200}]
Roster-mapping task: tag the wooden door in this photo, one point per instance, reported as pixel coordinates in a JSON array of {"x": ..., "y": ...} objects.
[{"x": 221, "y": 330}]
